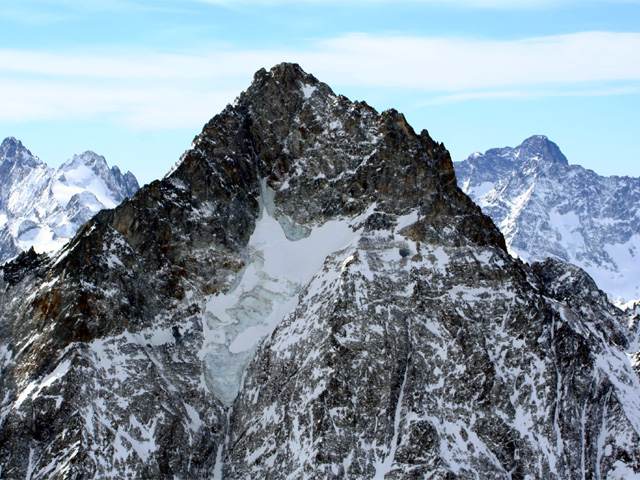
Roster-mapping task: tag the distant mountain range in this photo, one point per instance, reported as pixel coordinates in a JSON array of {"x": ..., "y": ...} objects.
[
  {"x": 42, "y": 207},
  {"x": 548, "y": 208}
]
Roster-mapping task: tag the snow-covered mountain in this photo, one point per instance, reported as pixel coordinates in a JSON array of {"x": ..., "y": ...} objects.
[
  {"x": 548, "y": 208},
  {"x": 308, "y": 294},
  {"x": 42, "y": 207}
]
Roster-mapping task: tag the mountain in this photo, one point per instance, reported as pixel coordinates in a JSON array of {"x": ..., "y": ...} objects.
[
  {"x": 41, "y": 207},
  {"x": 308, "y": 294},
  {"x": 548, "y": 208}
]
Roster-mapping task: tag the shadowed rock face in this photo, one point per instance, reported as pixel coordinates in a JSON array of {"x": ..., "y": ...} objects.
[{"x": 307, "y": 294}]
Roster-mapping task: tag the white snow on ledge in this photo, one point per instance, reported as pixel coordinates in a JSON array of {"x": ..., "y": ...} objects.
[
  {"x": 34, "y": 388},
  {"x": 307, "y": 91}
]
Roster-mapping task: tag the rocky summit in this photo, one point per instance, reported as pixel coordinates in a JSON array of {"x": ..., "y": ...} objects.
[{"x": 308, "y": 294}]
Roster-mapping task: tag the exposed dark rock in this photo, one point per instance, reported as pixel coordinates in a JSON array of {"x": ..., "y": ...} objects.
[{"x": 25, "y": 263}]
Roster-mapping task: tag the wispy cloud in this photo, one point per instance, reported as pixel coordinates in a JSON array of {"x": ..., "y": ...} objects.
[
  {"x": 533, "y": 94},
  {"x": 444, "y": 64},
  {"x": 32, "y": 7},
  {"x": 479, "y": 4},
  {"x": 43, "y": 12},
  {"x": 156, "y": 90},
  {"x": 17, "y": 13},
  {"x": 154, "y": 107}
]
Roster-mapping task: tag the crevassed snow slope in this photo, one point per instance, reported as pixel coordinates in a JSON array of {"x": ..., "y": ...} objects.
[{"x": 266, "y": 290}]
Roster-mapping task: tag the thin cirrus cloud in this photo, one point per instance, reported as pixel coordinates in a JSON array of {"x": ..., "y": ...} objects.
[
  {"x": 480, "y": 4},
  {"x": 530, "y": 94},
  {"x": 157, "y": 90},
  {"x": 445, "y": 65}
]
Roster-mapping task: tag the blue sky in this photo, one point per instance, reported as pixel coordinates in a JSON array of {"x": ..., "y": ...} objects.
[{"x": 136, "y": 80}]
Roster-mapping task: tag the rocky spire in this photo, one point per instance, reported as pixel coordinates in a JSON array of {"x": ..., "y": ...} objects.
[
  {"x": 15, "y": 159},
  {"x": 12, "y": 149}
]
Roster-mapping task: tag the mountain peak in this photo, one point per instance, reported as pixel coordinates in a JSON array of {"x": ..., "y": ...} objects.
[
  {"x": 539, "y": 147},
  {"x": 306, "y": 142},
  {"x": 285, "y": 87},
  {"x": 548, "y": 208},
  {"x": 284, "y": 73},
  {"x": 307, "y": 294},
  {"x": 10, "y": 142},
  {"x": 88, "y": 168},
  {"x": 12, "y": 149},
  {"x": 88, "y": 158}
]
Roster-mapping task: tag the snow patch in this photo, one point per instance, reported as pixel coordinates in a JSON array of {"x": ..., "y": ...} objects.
[
  {"x": 34, "y": 388},
  {"x": 478, "y": 190},
  {"x": 307, "y": 90},
  {"x": 78, "y": 180}
]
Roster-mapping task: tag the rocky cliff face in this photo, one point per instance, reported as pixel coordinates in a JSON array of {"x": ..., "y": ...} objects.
[
  {"x": 548, "y": 208},
  {"x": 42, "y": 207},
  {"x": 308, "y": 294}
]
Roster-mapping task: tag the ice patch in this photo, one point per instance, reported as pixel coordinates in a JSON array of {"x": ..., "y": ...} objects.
[
  {"x": 279, "y": 265},
  {"x": 292, "y": 230},
  {"x": 307, "y": 91}
]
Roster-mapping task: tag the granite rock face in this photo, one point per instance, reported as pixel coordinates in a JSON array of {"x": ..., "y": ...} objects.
[
  {"x": 308, "y": 294},
  {"x": 548, "y": 208}
]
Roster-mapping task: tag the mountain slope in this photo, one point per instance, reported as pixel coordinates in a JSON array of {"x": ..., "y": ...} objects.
[
  {"x": 308, "y": 294},
  {"x": 42, "y": 207},
  {"x": 548, "y": 208}
]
